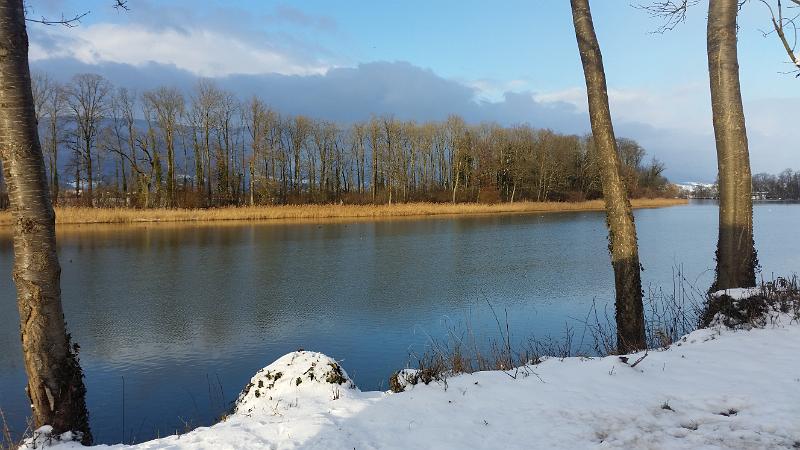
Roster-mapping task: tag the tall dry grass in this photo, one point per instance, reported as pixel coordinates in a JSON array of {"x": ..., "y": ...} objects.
[{"x": 82, "y": 215}]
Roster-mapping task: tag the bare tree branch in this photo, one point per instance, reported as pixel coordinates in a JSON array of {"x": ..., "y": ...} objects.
[
  {"x": 673, "y": 13},
  {"x": 73, "y": 21},
  {"x": 780, "y": 25},
  {"x": 67, "y": 22}
]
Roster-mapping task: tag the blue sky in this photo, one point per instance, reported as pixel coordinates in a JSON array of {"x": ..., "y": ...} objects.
[{"x": 512, "y": 61}]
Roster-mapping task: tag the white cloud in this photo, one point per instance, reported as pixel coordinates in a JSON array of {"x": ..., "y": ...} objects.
[
  {"x": 200, "y": 51},
  {"x": 575, "y": 96},
  {"x": 680, "y": 129},
  {"x": 489, "y": 89},
  {"x": 683, "y": 107}
]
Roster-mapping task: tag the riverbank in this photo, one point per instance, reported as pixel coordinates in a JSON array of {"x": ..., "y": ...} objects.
[
  {"x": 82, "y": 215},
  {"x": 716, "y": 388}
]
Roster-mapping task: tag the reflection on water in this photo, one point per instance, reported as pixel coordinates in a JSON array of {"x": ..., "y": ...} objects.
[{"x": 178, "y": 311}]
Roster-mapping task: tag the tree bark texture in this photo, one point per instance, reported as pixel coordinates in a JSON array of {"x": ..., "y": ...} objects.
[
  {"x": 736, "y": 254},
  {"x": 619, "y": 216},
  {"x": 55, "y": 381}
]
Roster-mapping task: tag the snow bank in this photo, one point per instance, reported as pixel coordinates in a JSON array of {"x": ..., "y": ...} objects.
[
  {"x": 739, "y": 293},
  {"x": 714, "y": 389}
]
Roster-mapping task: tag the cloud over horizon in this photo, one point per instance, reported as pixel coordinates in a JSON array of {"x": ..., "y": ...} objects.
[{"x": 202, "y": 52}]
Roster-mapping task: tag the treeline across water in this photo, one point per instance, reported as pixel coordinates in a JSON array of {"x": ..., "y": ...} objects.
[
  {"x": 765, "y": 186},
  {"x": 783, "y": 186},
  {"x": 109, "y": 146}
]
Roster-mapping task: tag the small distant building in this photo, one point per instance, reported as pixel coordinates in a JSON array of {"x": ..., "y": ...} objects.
[{"x": 760, "y": 195}]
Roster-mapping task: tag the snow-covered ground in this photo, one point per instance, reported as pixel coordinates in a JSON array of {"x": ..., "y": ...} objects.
[{"x": 715, "y": 389}]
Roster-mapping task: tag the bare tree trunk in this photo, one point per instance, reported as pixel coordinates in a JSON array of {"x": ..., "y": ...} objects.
[
  {"x": 619, "y": 217},
  {"x": 374, "y": 156},
  {"x": 207, "y": 132},
  {"x": 736, "y": 254},
  {"x": 455, "y": 181},
  {"x": 124, "y": 181},
  {"x": 90, "y": 182},
  {"x": 54, "y": 175},
  {"x": 55, "y": 381},
  {"x": 77, "y": 179},
  {"x": 252, "y": 182},
  {"x": 54, "y": 152},
  {"x": 170, "y": 167}
]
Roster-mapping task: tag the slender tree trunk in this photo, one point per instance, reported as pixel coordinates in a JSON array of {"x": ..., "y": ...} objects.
[
  {"x": 134, "y": 164},
  {"x": 455, "y": 181},
  {"x": 54, "y": 175},
  {"x": 170, "y": 168},
  {"x": 207, "y": 141},
  {"x": 55, "y": 381},
  {"x": 124, "y": 182},
  {"x": 252, "y": 182},
  {"x": 736, "y": 254},
  {"x": 619, "y": 217},
  {"x": 244, "y": 181},
  {"x": 374, "y": 174},
  {"x": 363, "y": 163},
  {"x": 54, "y": 150},
  {"x": 90, "y": 183},
  {"x": 198, "y": 165},
  {"x": 77, "y": 178}
]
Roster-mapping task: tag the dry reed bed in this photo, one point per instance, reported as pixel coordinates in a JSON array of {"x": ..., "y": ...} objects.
[{"x": 82, "y": 215}]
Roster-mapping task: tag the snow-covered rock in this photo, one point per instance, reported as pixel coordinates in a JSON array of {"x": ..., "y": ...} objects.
[{"x": 312, "y": 376}]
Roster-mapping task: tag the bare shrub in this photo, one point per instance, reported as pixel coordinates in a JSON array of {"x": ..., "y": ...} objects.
[
  {"x": 9, "y": 440},
  {"x": 669, "y": 316},
  {"x": 780, "y": 296}
]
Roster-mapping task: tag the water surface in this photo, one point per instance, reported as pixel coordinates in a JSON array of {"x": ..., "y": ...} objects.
[{"x": 186, "y": 314}]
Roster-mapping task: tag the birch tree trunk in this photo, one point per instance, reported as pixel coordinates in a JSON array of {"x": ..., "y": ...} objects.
[
  {"x": 736, "y": 254},
  {"x": 252, "y": 183},
  {"x": 619, "y": 217},
  {"x": 55, "y": 381}
]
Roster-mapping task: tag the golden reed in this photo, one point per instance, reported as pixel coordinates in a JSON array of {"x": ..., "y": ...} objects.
[{"x": 82, "y": 215}]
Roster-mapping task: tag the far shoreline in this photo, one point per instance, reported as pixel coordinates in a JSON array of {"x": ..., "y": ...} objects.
[{"x": 319, "y": 212}]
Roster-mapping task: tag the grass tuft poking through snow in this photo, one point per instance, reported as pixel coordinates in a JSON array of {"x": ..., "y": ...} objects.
[{"x": 715, "y": 388}]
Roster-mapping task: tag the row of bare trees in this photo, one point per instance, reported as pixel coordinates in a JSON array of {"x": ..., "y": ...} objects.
[
  {"x": 219, "y": 150},
  {"x": 766, "y": 186},
  {"x": 783, "y": 186}
]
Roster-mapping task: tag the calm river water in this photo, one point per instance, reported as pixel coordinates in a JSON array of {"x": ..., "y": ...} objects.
[{"x": 185, "y": 315}]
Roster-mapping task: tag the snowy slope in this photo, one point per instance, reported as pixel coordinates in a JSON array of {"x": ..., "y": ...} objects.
[{"x": 716, "y": 389}]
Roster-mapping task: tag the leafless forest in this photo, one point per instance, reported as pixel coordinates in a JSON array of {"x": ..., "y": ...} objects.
[{"x": 108, "y": 146}]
